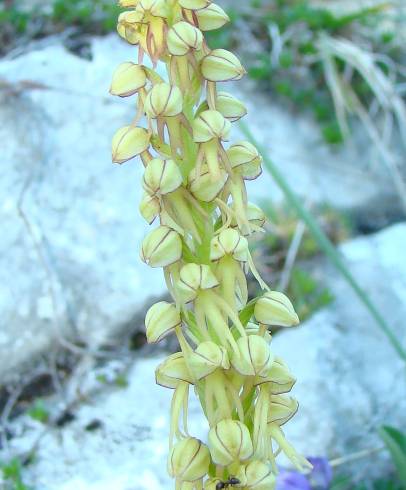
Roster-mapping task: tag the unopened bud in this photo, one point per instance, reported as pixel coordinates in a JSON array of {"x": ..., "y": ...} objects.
[
  {"x": 128, "y": 3},
  {"x": 257, "y": 475},
  {"x": 207, "y": 358},
  {"x": 150, "y": 207},
  {"x": 253, "y": 329},
  {"x": 161, "y": 320},
  {"x": 172, "y": 371},
  {"x": 189, "y": 460},
  {"x": 255, "y": 357},
  {"x": 245, "y": 159},
  {"x": 282, "y": 409},
  {"x": 156, "y": 8},
  {"x": 221, "y": 66},
  {"x": 212, "y": 17},
  {"x": 229, "y": 242},
  {"x": 210, "y": 125},
  {"x": 255, "y": 216},
  {"x": 162, "y": 177},
  {"x": 128, "y": 26},
  {"x": 128, "y": 79},
  {"x": 274, "y": 308},
  {"x": 195, "y": 277},
  {"x": 203, "y": 187},
  {"x": 212, "y": 484},
  {"x": 161, "y": 247},
  {"x": 183, "y": 38},
  {"x": 230, "y": 441},
  {"x": 194, "y": 4},
  {"x": 280, "y": 379},
  {"x": 164, "y": 100},
  {"x": 231, "y": 108},
  {"x": 128, "y": 142}
]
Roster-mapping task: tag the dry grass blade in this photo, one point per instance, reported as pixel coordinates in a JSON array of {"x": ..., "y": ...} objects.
[{"x": 347, "y": 102}]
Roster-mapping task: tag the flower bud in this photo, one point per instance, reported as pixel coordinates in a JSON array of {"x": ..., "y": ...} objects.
[
  {"x": 211, "y": 484},
  {"x": 128, "y": 3},
  {"x": 161, "y": 319},
  {"x": 279, "y": 378},
  {"x": 281, "y": 409},
  {"x": 203, "y": 187},
  {"x": 229, "y": 242},
  {"x": 210, "y": 125},
  {"x": 172, "y": 371},
  {"x": 183, "y": 38},
  {"x": 162, "y": 177},
  {"x": 156, "y": 8},
  {"x": 128, "y": 79},
  {"x": 187, "y": 485},
  {"x": 164, "y": 100},
  {"x": 194, "y": 4},
  {"x": 255, "y": 357},
  {"x": 128, "y": 142},
  {"x": 194, "y": 277},
  {"x": 161, "y": 247},
  {"x": 274, "y": 308},
  {"x": 128, "y": 26},
  {"x": 221, "y": 66},
  {"x": 256, "y": 475},
  {"x": 212, "y": 17},
  {"x": 255, "y": 216},
  {"x": 189, "y": 460},
  {"x": 149, "y": 208},
  {"x": 207, "y": 358},
  {"x": 230, "y": 441},
  {"x": 231, "y": 108},
  {"x": 253, "y": 329},
  {"x": 245, "y": 159}
]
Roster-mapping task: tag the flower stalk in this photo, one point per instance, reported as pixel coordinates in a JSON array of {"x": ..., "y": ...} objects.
[{"x": 194, "y": 188}]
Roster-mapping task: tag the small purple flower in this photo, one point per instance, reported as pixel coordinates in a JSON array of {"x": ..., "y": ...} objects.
[
  {"x": 321, "y": 475},
  {"x": 319, "y": 478},
  {"x": 292, "y": 480}
]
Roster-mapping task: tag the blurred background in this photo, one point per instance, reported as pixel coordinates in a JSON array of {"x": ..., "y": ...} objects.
[{"x": 325, "y": 90}]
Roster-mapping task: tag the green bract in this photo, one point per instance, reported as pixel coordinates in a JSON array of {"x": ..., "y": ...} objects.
[{"x": 194, "y": 189}]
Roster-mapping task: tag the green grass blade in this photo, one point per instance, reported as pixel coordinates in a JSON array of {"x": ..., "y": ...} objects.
[
  {"x": 324, "y": 242},
  {"x": 396, "y": 443}
]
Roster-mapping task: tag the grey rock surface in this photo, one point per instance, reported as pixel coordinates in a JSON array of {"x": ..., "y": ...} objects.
[
  {"x": 80, "y": 230},
  {"x": 127, "y": 452},
  {"x": 69, "y": 220},
  {"x": 350, "y": 379},
  {"x": 349, "y": 383}
]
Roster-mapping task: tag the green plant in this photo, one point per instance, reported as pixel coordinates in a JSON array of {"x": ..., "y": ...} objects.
[
  {"x": 38, "y": 411},
  {"x": 297, "y": 61},
  {"x": 395, "y": 441},
  {"x": 86, "y": 13},
  {"x": 195, "y": 188},
  {"x": 12, "y": 475}
]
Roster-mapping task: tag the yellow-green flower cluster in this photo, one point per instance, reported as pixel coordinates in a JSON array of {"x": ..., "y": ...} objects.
[{"x": 194, "y": 189}]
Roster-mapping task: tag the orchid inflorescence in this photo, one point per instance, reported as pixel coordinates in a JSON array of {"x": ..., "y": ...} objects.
[{"x": 195, "y": 188}]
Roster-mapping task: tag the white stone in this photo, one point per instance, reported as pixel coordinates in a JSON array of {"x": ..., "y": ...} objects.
[
  {"x": 84, "y": 229},
  {"x": 350, "y": 382},
  {"x": 127, "y": 453}
]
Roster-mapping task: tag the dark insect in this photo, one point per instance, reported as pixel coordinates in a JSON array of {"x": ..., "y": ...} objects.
[
  {"x": 94, "y": 425},
  {"x": 64, "y": 418},
  {"x": 228, "y": 483}
]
